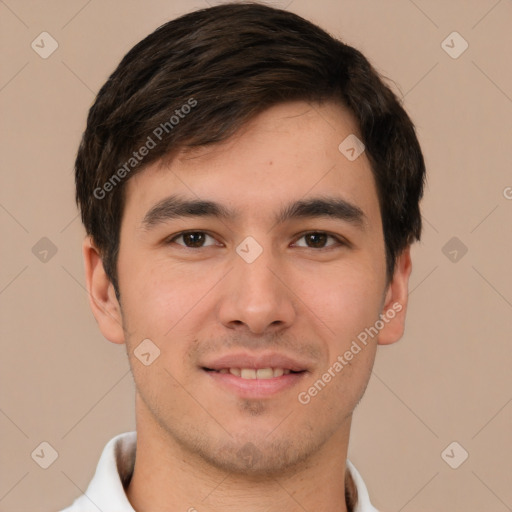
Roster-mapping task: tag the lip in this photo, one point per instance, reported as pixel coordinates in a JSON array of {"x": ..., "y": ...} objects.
[
  {"x": 256, "y": 388},
  {"x": 257, "y": 361}
]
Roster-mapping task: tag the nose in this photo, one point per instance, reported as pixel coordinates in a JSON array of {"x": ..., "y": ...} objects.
[{"x": 256, "y": 297}]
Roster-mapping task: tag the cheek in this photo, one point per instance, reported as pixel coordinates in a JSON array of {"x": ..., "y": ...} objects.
[
  {"x": 155, "y": 295},
  {"x": 344, "y": 300},
  {"x": 360, "y": 301},
  {"x": 163, "y": 302}
]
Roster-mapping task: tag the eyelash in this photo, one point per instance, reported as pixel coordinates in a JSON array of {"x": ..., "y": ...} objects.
[{"x": 340, "y": 241}]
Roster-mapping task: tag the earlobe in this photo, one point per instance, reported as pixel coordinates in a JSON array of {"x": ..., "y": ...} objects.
[
  {"x": 395, "y": 303},
  {"x": 102, "y": 298}
]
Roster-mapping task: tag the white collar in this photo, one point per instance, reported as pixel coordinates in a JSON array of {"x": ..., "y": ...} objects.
[{"x": 105, "y": 492}]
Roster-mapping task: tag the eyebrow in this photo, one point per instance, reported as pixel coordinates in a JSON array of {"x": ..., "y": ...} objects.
[{"x": 175, "y": 207}]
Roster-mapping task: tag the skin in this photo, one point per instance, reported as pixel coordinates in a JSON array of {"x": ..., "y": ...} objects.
[{"x": 296, "y": 298}]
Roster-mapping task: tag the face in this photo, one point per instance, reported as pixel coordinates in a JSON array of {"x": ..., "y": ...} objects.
[{"x": 257, "y": 299}]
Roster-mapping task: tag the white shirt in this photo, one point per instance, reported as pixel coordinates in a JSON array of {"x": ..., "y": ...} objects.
[{"x": 106, "y": 490}]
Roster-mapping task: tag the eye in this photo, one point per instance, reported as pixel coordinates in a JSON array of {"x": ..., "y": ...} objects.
[
  {"x": 198, "y": 239},
  {"x": 318, "y": 240},
  {"x": 192, "y": 239}
]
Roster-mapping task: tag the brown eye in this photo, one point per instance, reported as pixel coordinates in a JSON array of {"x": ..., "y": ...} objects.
[
  {"x": 192, "y": 239},
  {"x": 318, "y": 240}
]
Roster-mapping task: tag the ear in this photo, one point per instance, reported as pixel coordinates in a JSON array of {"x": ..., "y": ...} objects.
[
  {"x": 395, "y": 302},
  {"x": 102, "y": 298}
]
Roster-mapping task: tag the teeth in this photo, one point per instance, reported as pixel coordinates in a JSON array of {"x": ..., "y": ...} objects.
[
  {"x": 247, "y": 373},
  {"x": 260, "y": 373},
  {"x": 278, "y": 372},
  {"x": 264, "y": 373}
]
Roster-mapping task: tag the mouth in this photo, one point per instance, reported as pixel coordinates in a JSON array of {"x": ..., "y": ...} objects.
[{"x": 255, "y": 375}]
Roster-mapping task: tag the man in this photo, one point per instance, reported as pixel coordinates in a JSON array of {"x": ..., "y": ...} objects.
[{"x": 250, "y": 188}]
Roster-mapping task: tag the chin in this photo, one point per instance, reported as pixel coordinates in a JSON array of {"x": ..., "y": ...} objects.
[{"x": 257, "y": 454}]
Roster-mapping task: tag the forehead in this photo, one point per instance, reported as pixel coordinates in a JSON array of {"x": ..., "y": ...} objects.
[
  {"x": 289, "y": 151},
  {"x": 285, "y": 123}
]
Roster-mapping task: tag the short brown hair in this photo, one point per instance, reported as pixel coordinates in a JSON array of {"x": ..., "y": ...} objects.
[{"x": 226, "y": 64}]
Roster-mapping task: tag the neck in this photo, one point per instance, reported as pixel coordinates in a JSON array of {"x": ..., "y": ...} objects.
[{"x": 169, "y": 478}]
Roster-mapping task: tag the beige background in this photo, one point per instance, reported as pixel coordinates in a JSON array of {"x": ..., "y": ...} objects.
[{"x": 448, "y": 380}]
